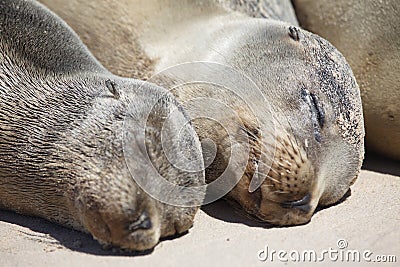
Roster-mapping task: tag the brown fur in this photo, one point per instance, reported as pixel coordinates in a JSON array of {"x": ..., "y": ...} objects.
[
  {"x": 285, "y": 63},
  {"x": 61, "y": 135}
]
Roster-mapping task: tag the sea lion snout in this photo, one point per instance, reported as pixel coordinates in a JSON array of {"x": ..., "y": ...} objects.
[
  {"x": 288, "y": 194},
  {"x": 302, "y": 204},
  {"x": 144, "y": 223},
  {"x": 125, "y": 232}
]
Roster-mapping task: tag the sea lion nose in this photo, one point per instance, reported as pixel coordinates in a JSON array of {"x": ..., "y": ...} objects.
[
  {"x": 302, "y": 204},
  {"x": 143, "y": 223}
]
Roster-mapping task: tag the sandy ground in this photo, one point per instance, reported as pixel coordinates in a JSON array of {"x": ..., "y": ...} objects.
[{"x": 368, "y": 220}]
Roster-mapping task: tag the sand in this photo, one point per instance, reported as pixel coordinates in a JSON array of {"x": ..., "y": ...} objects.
[{"x": 368, "y": 220}]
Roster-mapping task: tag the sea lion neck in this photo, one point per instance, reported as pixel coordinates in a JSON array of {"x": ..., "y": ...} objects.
[{"x": 172, "y": 35}]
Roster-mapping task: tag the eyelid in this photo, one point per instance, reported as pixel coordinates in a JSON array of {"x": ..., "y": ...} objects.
[
  {"x": 317, "y": 112},
  {"x": 320, "y": 110}
]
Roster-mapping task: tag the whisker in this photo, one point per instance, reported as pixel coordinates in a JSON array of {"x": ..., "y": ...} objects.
[
  {"x": 264, "y": 145},
  {"x": 280, "y": 192},
  {"x": 270, "y": 167},
  {"x": 272, "y": 179},
  {"x": 288, "y": 135},
  {"x": 219, "y": 53}
]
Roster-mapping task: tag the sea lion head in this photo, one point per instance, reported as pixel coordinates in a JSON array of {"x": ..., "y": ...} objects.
[
  {"x": 318, "y": 144},
  {"x": 72, "y": 130},
  {"x": 115, "y": 208}
]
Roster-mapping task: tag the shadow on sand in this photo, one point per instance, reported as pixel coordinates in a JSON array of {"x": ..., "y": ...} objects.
[
  {"x": 377, "y": 163},
  {"x": 227, "y": 211},
  {"x": 231, "y": 212},
  {"x": 53, "y": 234}
]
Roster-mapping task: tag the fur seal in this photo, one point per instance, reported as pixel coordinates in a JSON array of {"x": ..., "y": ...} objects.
[
  {"x": 366, "y": 32},
  {"x": 318, "y": 146},
  {"x": 61, "y": 126}
]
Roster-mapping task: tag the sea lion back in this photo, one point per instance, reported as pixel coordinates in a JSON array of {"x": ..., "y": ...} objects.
[{"x": 21, "y": 40}]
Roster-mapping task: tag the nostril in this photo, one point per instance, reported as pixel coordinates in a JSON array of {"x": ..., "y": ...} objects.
[
  {"x": 143, "y": 223},
  {"x": 302, "y": 204}
]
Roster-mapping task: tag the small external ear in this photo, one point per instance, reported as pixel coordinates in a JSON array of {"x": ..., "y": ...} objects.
[
  {"x": 112, "y": 87},
  {"x": 294, "y": 33}
]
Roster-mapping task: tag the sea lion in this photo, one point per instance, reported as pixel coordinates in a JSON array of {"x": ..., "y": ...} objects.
[
  {"x": 312, "y": 151},
  {"x": 61, "y": 129},
  {"x": 366, "y": 32}
]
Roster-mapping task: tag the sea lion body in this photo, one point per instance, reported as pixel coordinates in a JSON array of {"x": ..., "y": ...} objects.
[
  {"x": 61, "y": 130},
  {"x": 317, "y": 145},
  {"x": 366, "y": 32}
]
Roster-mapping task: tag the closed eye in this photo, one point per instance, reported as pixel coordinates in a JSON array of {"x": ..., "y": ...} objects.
[{"x": 317, "y": 112}]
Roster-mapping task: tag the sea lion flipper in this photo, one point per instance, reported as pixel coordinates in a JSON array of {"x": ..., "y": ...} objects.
[{"x": 35, "y": 35}]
